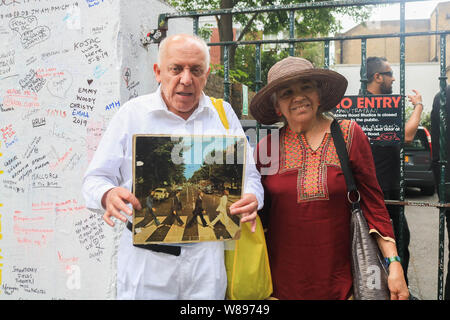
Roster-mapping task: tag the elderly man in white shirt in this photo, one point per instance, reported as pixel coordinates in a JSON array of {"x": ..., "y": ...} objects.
[{"x": 179, "y": 106}]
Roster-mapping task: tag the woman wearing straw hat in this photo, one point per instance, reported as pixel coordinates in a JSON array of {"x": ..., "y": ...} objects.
[{"x": 308, "y": 215}]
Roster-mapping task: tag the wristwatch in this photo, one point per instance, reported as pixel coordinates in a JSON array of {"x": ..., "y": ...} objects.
[{"x": 389, "y": 260}]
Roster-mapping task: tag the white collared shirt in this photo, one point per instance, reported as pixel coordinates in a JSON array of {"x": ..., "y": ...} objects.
[{"x": 111, "y": 165}]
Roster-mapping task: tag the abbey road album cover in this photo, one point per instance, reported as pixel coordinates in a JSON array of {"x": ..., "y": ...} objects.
[{"x": 185, "y": 185}]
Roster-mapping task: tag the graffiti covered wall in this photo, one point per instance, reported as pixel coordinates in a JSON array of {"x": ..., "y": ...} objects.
[{"x": 66, "y": 67}]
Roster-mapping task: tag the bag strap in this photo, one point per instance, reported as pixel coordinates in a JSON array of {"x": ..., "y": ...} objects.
[
  {"x": 341, "y": 150},
  {"x": 218, "y": 104}
]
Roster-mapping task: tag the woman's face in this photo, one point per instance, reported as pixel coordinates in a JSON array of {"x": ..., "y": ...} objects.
[{"x": 298, "y": 101}]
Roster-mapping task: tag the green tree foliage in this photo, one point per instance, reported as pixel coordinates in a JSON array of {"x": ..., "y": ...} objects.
[
  {"x": 200, "y": 174},
  {"x": 244, "y": 70},
  {"x": 245, "y": 62},
  {"x": 158, "y": 169},
  {"x": 308, "y": 23},
  {"x": 425, "y": 119},
  {"x": 219, "y": 173}
]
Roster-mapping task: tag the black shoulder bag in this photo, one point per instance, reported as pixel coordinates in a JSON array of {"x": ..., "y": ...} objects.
[{"x": 368, "y": 269}]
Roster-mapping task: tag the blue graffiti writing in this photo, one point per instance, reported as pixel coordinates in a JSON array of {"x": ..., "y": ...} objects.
[
  {"x": 80, "y": 113},
  {"x": 113, "y": 105}
]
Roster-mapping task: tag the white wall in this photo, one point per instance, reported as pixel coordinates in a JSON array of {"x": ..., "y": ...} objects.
[
  {"x": 65, "y": 69},
  {"x": 423, "y": 77}
]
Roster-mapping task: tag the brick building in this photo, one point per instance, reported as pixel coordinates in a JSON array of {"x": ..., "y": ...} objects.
[{"x": 418, "y": 49}]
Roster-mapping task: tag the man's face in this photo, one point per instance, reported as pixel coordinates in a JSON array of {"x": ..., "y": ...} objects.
[
  {"x": 387, "y": 79},
  {"x": 182, "y": 73}
]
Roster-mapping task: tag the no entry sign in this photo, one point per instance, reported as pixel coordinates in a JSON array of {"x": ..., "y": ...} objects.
[{"x": 378, "y": 115}]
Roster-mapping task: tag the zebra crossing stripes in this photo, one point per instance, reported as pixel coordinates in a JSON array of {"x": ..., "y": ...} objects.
[
  {"x": 231, "y": 227},
  {"x": 174, "y": 233},
  {"x": 205, "y": 232},
  {"x": 141, "y": 234}
]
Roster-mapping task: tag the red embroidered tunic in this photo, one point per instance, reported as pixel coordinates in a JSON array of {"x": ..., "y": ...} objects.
[{"x": 308, "y": 235}]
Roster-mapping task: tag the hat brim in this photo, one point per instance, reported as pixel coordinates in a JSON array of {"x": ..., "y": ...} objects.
[{"x": 333, "y": 86}]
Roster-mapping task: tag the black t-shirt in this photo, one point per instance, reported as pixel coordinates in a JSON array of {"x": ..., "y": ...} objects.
[
  {"x": 387, "y": 165},
  {"x": 435, "y": 129}
]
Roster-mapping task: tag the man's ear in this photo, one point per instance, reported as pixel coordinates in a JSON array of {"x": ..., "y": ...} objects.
[
  {"x": 157, "y": 72},
  {"x": 377, "y": 77}
]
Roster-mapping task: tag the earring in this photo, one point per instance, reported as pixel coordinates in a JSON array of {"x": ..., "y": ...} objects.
[{"x": 278, "y": 113}]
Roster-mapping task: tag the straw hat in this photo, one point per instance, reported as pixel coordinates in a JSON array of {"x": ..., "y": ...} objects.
[{"x": 332, "y": 87}]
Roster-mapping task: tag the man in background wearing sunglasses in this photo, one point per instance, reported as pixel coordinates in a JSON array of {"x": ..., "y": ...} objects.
[{"x": 380, "y": 78}]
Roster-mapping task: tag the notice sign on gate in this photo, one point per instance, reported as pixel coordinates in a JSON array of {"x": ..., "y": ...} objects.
[{"x": 378, "y": 115}]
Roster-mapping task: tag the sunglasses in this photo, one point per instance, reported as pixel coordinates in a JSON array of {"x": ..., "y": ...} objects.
[{"x": 388, "y": 73}]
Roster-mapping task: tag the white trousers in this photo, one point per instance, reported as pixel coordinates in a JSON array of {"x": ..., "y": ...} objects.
[{"x": 198, "y": 273}]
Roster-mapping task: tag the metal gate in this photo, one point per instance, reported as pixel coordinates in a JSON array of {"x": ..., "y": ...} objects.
[{"x": 156, "y": 35}]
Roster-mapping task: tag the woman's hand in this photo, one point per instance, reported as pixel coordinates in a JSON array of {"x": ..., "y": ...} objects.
[
  {"x": 396, "y": 282},
  {"x": 396, "y": 279}
]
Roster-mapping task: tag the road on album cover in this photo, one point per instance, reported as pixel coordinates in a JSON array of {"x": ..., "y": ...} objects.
[{"x": 191, "y": 233}]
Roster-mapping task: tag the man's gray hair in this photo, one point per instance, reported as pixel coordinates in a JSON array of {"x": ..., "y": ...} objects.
[{"x": 200, "y": 41}]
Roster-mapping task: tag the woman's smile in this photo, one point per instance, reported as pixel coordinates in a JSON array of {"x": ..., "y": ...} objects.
[{"x": 300, "y": 106}]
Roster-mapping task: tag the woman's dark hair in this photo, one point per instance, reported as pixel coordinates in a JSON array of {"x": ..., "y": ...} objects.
[{"x": 374, "y": 65}]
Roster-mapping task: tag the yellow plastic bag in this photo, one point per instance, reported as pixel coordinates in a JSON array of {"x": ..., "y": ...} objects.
[
  {"x": 248, "y": 267},
  {"x": 247, "y": 262}
]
